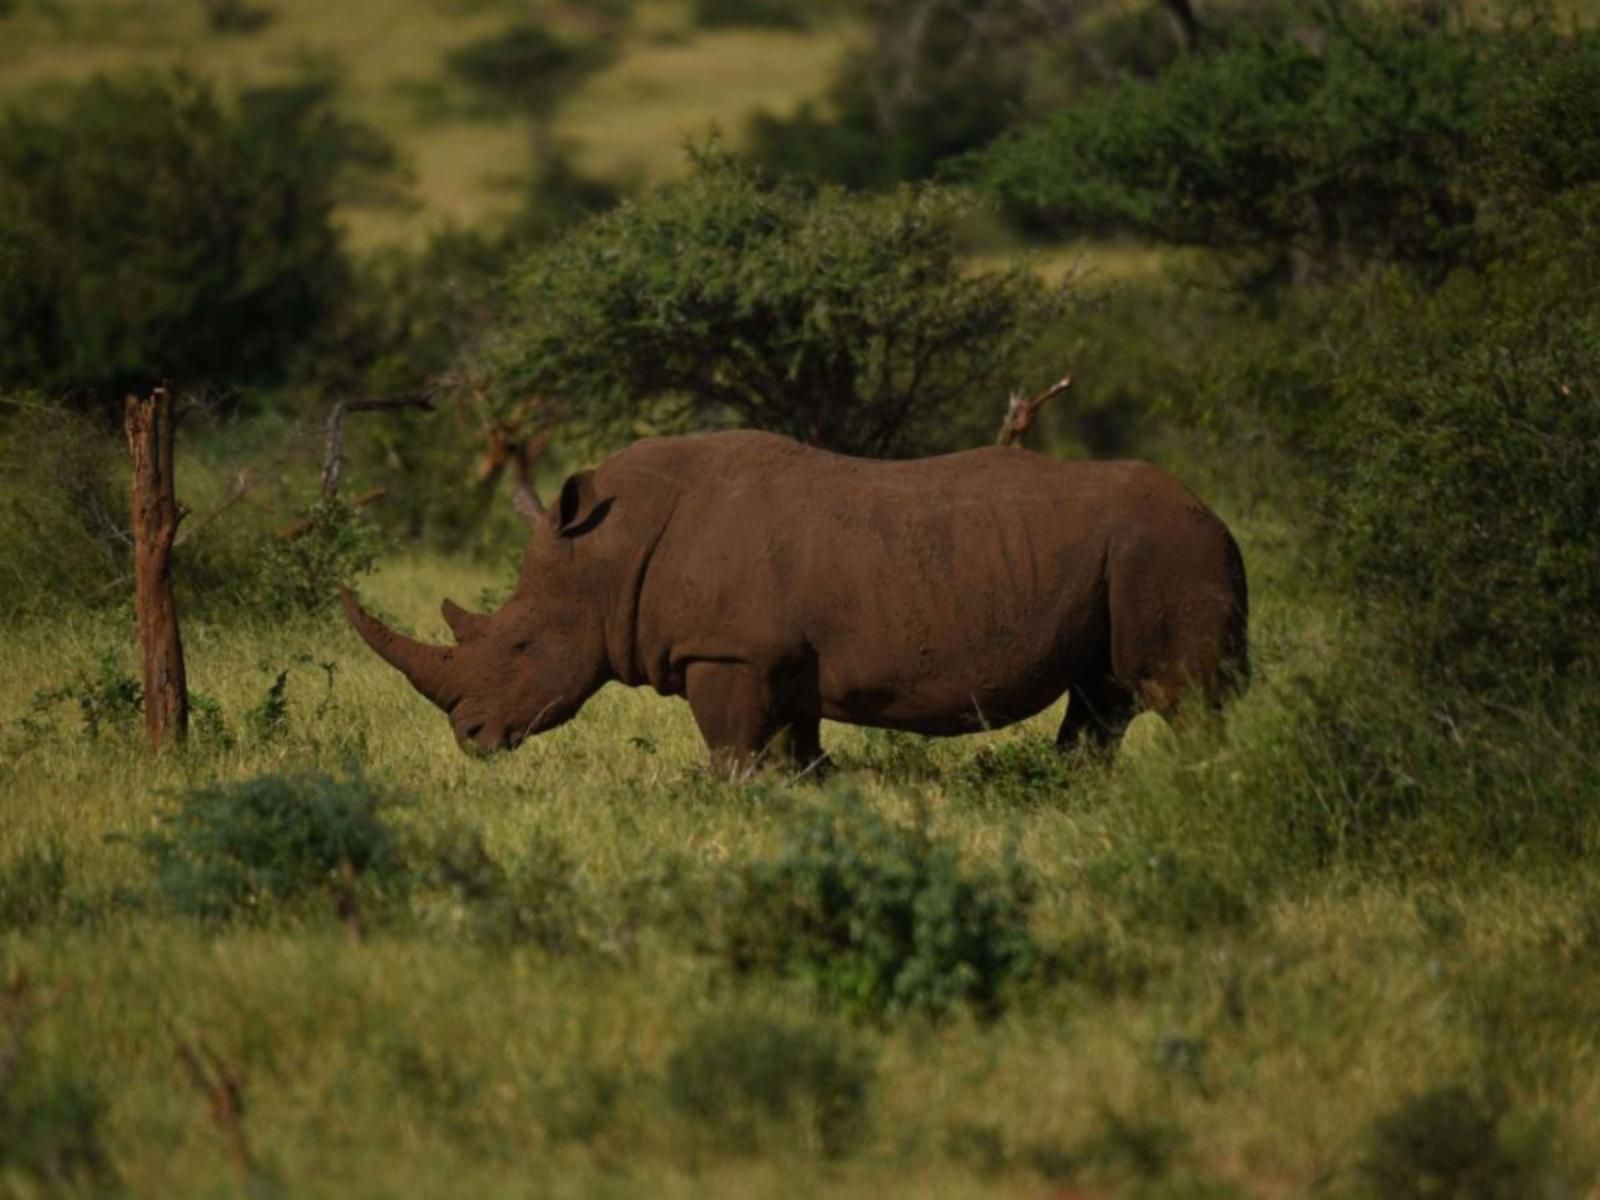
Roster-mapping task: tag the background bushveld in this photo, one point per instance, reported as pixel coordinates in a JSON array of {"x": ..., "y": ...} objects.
[{"x": 1335, "y": 266}]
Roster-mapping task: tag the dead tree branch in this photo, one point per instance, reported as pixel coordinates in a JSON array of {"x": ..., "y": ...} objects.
[
  {"x": 223, "y": 1089},
  {"x": 333, "y": 446},
  {"x": 1020, "y": 413}
]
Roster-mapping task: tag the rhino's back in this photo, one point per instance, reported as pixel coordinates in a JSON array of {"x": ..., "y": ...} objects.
[{"x": 929, "y": 590}]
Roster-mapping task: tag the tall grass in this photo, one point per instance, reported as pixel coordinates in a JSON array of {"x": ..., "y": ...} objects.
[{"x": 1261, "y": 954}]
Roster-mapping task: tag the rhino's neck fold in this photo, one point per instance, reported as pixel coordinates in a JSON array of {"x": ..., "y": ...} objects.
[{"x": 624, "y": 608}]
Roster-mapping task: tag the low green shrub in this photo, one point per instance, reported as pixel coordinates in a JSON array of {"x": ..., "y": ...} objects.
[
  {"x": 32, "y": 886},
  {"x": 107, "y": 698},
  {"x": 1450, "y": 1142},
  {"x": 882, "y": 918},
  {"x": 1020, "y": 770},
  {"x": 301, "y": 574},
  {"x": 52, "y": 1133},
  {"x": 232, "y": 850},
  {"x": 753, "y": 1083}
]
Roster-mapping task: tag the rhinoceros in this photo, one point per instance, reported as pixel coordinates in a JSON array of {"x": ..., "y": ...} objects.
[{"x": 775, "y": 586}]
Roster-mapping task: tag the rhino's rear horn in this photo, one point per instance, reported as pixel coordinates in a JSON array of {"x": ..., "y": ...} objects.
[
  {"x": 465, "y": 625},
  {"x": 427, "y": 667}
]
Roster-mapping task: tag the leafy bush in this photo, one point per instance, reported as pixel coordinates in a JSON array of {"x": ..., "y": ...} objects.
[
  {"x": 852, "y": 324},
  {"x": 203, "y": 251},
  {"x": 1447, "y": 1141},
  {"x": 1464, "y": 439},
  {"x": 108, "y": 697},
  {"x": 301, "y": 574},
  {"x": 32, "y": 886},
  {"x": 752, "y": 1081},
  {"x": 1383, "y": 139},
  {"x": 52, "y": 1131},
  {"x": 881, "y": 918},
  {"x": 234, "y": 849},
  {"x": 1019, "y": 770}
]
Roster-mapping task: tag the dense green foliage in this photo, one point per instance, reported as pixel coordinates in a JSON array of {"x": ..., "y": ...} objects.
[
  {"x": 52, "y": 1126},
  {"x": 203, "y": 251},
  {"x": 1377, "y": 138},
  {"x": 1466, "y": 432},
  {"x": 230, "y": 850},
  {"x": 881, "y": 917},
  {"x": 849, "y": 323}
]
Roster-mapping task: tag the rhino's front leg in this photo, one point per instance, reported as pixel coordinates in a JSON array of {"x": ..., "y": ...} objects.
[{"x": 742, "y": 716}]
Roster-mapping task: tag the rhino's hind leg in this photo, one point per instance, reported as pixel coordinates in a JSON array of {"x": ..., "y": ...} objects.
[
  {"x": 1098, "y": 710},
  {"x": 745, "y": 718}
]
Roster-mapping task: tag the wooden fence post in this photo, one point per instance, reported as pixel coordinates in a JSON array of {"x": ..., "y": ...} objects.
[{"x": 156, "y": 513}]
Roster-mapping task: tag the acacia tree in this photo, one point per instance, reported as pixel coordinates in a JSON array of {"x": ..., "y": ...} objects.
[
  {"x": 1382, "y": 139},
  {"x": 850, "y": 323}
]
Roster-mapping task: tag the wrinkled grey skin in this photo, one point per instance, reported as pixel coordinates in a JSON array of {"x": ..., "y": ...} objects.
[{"x": 774, "y": 585}]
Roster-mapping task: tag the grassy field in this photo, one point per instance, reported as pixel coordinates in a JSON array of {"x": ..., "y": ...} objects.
[
  {"x": 670, "y": 83},
  {"x": 1217, "y": 1021}
]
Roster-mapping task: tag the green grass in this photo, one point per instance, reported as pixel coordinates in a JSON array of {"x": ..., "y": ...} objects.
[
  {"x": 1183, "y": 1045},
  {"x": 670, "y": 83}
]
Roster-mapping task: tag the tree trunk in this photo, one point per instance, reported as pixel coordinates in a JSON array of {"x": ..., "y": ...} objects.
[{"x": 156, "y": 513}]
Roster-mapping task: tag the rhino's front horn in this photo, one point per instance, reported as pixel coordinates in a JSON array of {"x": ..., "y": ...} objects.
[{"x": 427, "y": 667}]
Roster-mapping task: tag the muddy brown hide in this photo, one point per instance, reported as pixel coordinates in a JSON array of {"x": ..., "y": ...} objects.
[{"x": 774, "y": 585}]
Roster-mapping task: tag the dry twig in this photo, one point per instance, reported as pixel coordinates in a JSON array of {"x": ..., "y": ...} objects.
[{"x": 1020, "y": 413}]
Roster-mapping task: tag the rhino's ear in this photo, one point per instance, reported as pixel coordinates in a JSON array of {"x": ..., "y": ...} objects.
[{"x": 580, "y": 508}]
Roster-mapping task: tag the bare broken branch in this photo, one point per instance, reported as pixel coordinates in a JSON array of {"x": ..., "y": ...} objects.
[
  {"x": 420, "y": 400},
  {"x": 1020, "y": 413},
  {"x": 223, "y": 1089}
]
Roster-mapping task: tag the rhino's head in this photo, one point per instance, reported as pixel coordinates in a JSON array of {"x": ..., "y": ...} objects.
[{"x": 527, "y": 667}]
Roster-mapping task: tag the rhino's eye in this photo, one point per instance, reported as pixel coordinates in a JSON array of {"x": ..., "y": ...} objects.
[{"x": 520, "y": 647}]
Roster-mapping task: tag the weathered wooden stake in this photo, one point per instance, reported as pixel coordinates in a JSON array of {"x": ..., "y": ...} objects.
[{"x": 156, "y": 513}]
